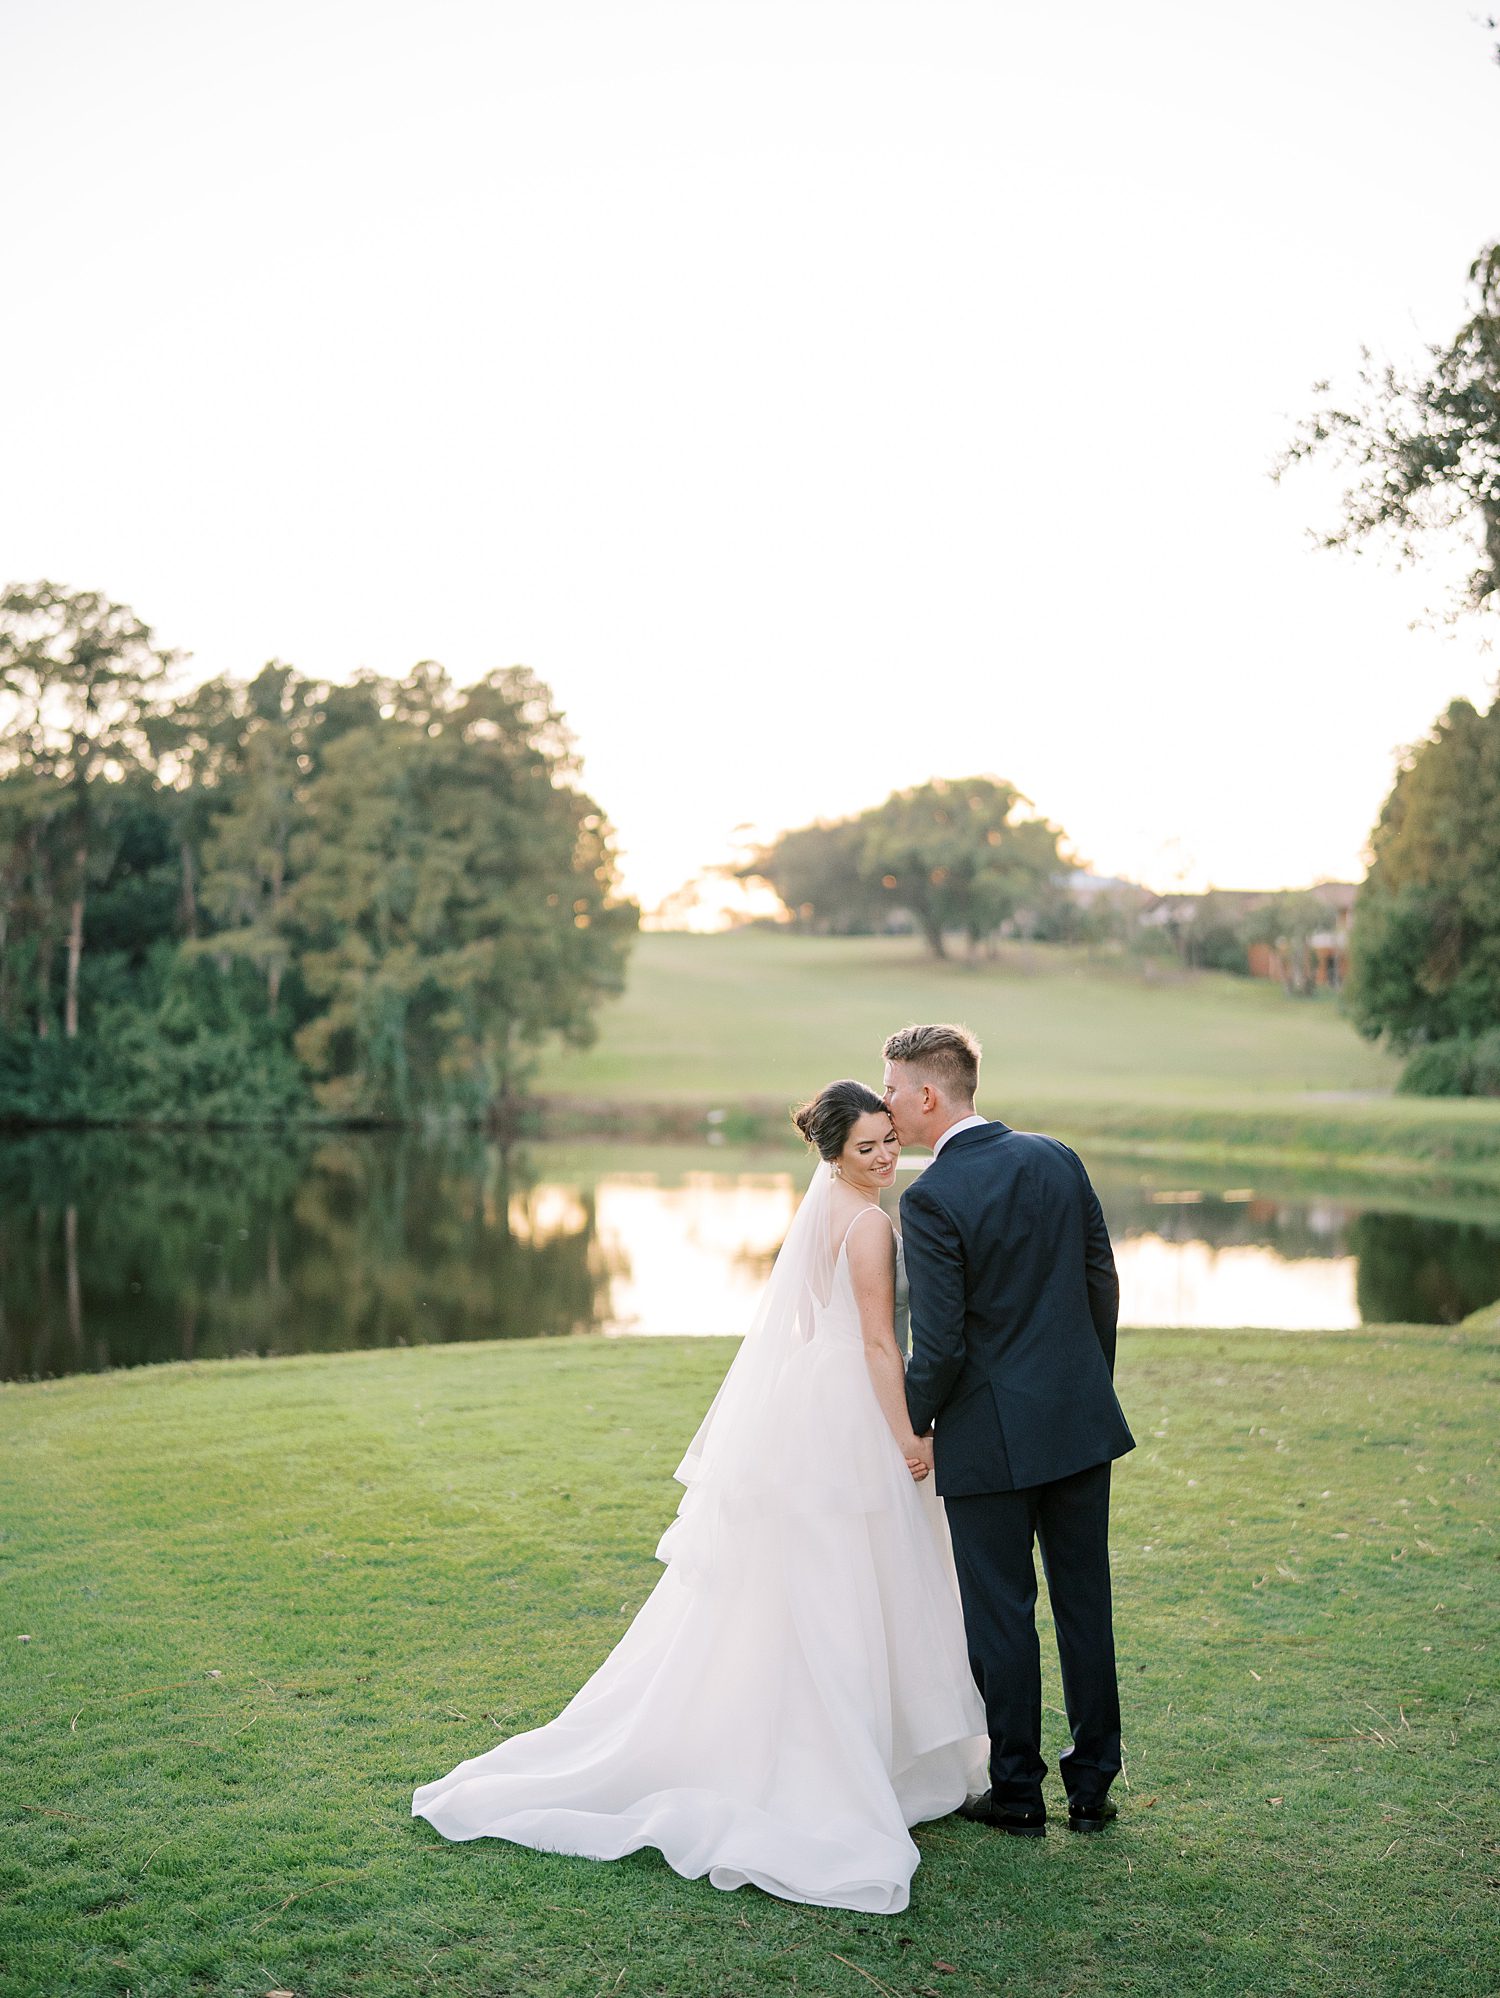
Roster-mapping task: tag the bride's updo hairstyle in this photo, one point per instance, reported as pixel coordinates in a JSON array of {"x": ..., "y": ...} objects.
[{"x": 827, "y": 1120}]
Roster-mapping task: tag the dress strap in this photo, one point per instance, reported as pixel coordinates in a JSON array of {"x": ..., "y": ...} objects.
[{"x": 876, "y": 1209}]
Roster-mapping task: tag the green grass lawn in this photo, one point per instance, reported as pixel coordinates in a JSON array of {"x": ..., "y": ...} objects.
[
  {"x": 1202, "y": 1066},
  {"x": 265, "y": 1599},
  {"x": 764, "y": 1013}
]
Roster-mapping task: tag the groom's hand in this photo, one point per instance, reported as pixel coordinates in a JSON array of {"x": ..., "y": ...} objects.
[{"x": 920, "y": 1464}]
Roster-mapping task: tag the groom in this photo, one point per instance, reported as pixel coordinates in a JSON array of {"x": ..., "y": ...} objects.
[{"x": 1013, "y": 1306}]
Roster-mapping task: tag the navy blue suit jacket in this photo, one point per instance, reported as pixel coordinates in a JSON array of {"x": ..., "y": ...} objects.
[{"x": 1014, "y": 1303}]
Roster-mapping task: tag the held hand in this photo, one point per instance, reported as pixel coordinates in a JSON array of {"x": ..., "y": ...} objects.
[{"x": 919, "y": 1458}]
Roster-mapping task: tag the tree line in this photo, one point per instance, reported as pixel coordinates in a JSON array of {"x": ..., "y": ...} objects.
[
  {"x": 1426, "y": 941},
  {"x": 1421, "y": 447},
  {"x": 256, "y": 900}
]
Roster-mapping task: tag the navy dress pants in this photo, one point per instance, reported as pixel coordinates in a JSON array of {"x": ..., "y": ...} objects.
[{"x": 993, "y": 1535}]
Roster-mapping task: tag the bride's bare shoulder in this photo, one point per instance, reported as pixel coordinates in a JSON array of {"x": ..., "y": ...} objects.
[{"x": 865, "y": 1241}]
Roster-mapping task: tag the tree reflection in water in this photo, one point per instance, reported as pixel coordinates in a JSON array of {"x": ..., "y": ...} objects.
[
  {"x": 119, "y": 1248},
  {"x": 1416, "y": 1271}
]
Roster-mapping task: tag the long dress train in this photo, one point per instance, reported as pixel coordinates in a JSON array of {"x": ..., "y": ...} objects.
[{"x": 795, "y": 1693}]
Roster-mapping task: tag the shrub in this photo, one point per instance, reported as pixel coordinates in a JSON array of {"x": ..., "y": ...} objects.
[{"x": 1462, "y": 1065}]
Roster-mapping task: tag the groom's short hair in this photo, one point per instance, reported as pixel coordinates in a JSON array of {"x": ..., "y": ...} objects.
[{"x": 947, "y": 1057}]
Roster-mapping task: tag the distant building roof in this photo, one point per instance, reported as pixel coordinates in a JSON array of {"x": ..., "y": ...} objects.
[
  {"x": 1085, "y": 885},
  {"x": 1337, "y": 894},
  {"x": 1177, "y": 905}
]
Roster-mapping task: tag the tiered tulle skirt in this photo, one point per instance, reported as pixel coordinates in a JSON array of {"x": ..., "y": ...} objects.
[{"x": 793, "y": 1696}]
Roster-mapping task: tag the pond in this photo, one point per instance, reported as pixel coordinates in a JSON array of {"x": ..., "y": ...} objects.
[{"x": 122, "y": 1248}]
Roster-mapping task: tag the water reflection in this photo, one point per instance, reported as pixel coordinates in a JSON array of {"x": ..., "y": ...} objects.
[
  {"x": 691, "y": 1258},
  {"x": 1422, "y": 1271},
  {"x": 119, "y": 1248},
  {"x": 1196, "y": 1256},
  {"x": 1187, "y": 1282}
]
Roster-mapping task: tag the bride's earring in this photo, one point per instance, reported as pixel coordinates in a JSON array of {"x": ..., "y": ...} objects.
[{"x": 835, "y": 1169}]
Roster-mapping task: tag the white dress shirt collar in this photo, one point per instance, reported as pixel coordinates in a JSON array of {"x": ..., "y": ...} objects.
[{"x": 963, "y": 1124}]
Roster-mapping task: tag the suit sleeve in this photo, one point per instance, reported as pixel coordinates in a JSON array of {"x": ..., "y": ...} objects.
[
  {"x": 1099, "y": 1270},
  {"x": 935, "y": 1272}
]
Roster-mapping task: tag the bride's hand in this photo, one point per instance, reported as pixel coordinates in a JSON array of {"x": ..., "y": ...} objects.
[{"x": 919, "y": 1458}]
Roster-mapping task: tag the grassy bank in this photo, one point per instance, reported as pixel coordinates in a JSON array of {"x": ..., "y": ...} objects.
[
  {"x": 1200, "y": 1067},
  {"x": 265, "y": 1599}
]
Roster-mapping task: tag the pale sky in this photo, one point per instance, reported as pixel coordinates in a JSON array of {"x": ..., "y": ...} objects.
[{"x": 820, "y": 396}]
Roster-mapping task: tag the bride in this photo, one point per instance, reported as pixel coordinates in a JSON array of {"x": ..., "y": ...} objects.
[{"x": 795, "y": 1693}]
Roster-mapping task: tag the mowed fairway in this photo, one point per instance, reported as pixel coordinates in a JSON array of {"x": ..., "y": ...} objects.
[
  {"x": 1204, "y": 1064},
  {"x": 264, "y": 1599},
  {"x": 759, "y": 1013}
]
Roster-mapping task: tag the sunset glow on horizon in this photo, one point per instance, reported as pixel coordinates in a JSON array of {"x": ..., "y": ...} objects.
[{"x": 821, "y": 397}]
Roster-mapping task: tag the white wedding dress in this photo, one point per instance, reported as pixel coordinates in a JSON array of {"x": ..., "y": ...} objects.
[{"x": 795, "y": 1693}]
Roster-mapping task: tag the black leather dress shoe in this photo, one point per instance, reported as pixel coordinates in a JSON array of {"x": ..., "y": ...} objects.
[
  {"x": 1091, "y": 1817},
  {"x": 1003, "y": 1817}
]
